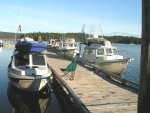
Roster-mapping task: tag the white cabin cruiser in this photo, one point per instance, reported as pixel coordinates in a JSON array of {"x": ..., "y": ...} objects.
[
  {"x": 67, "y": 47},
  {"x": 101, "y": 54},
  {"x": 28, "y": 69},
  {"x": 53, "y": 43},
  {"x": 1, "y": 43}
]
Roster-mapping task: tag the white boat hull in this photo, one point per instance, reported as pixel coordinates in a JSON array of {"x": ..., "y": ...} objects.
[
  {"x": 66, "y": 52},
  {"x": 31, "y": 84},
  {"x": 116, "y": 67},
  {"x": 113, "y": 66}
]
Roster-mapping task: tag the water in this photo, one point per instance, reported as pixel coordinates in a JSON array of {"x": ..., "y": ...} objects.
[
  {"x": 132, "y": 71},
  {"x": 5, "y": 106},
  {"x": 18, "y": 101}
]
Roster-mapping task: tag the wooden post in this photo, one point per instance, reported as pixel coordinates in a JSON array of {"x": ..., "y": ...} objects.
[{"x": 144, "y": 88}]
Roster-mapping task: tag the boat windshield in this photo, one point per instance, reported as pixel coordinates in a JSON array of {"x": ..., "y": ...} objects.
[
  {"x": 21, "y": 60},
  {"x": 109, "y": 51},
  {"x": 100, "y": 52},
  {"x": 64, "y": 45},
  {"x": 38, "y": 60},
  {"x": 70, "y": 45}
]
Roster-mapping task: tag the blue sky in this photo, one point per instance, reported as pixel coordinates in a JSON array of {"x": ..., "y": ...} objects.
[{"x": 63, "y": 16}]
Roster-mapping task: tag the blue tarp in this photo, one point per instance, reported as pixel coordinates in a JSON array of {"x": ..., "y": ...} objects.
[{"x": 30, "y": 46}]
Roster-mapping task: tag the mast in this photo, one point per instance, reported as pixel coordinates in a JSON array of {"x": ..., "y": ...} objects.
[
  {"x": 19, "y": 26},
  {"x": 101, "y": 30}
]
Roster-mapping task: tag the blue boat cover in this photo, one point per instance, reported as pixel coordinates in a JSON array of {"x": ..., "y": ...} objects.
[{"x": 30, "y": 46}]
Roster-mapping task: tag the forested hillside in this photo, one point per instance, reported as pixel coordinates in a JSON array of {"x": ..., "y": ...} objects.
[
  {"x": 124, "y": 39},
  {"x": 79, "y": 37},
  {"x": 7, "y": 35}
]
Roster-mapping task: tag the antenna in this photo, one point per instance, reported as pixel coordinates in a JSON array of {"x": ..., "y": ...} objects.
[
  {"x": 101, "y": 31},
  {"x": 83, "y": 27}
]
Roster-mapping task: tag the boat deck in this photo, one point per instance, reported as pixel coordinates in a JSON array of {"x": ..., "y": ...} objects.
[{"x": 97, "y": 92}]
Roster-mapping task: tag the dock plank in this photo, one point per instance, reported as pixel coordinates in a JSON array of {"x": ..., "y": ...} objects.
[{"x": 98, "y": 93}]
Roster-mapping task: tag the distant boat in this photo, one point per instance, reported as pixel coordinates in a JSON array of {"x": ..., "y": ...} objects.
[
  {"x": 28, "y": 69},
  {"x": 66, "y": 47},
  {"x": 103, "y": 55},
  {"x": 53, "y": 43},
  {"x": 1, "y": 49},
  {"x": 1, "y": 43}
]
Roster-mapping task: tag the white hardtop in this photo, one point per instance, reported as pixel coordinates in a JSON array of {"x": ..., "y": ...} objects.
[
  {"x": 26, "y": 39},
  {"x": 99, "y": 46},
  {"x": 69, "y": 40}
]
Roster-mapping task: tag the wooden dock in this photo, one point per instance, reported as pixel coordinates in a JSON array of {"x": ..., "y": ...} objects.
[{"x": 97, "y": 92}]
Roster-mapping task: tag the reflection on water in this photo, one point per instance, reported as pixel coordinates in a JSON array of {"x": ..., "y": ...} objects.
[{"x": 28, "y": 102}]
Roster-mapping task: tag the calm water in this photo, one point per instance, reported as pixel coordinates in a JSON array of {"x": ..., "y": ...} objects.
[
  {"x": 22, "y": 101},
  {"x": 132, "y": 71}
]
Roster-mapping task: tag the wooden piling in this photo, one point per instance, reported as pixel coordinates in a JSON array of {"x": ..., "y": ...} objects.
[{"x": 144, "y": 88}]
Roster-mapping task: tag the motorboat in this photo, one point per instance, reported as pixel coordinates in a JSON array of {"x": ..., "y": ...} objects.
[
  {"x": 1, "y": 49},
  {"x": 53, "y": 43},
  {"x": 1, "y": 43},
  {"x": 100, "y": 53},
  {"x": 67, "y": 47},
  {"x": 28, "y": 69}
]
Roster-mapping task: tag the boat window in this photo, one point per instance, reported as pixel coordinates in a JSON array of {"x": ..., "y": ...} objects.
[
  {"x": 38, "y": 60},
  {"x": 100, "y": 51},
  {"x": 86, "y": 51},
  {"x": 93, "y": 51},
  {"x": 21, "y": 60},
  {"x": 60, "y": 44},
  {"x": 108, "y": 51},
  {"x": 90, "y": 51},
  {"x": 70, "y": 45},
  {"x": 64, "y": 45},
  {"x": 75, "y": 45}
]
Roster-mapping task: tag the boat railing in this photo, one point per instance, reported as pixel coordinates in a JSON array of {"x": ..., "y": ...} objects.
[{"x": 124, "y": 53}]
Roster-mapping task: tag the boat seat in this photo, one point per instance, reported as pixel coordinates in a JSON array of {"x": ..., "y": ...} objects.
[{"x": 69, "y": 72}]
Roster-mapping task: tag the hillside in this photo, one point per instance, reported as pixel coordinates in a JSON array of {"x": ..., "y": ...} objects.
[{"x": 79, "y": 37}]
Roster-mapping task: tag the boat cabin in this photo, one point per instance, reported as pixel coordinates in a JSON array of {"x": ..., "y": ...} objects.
[
  {"x": 68, "y": 44},
  {"x": 100, "y": 52},
  {"x": 29, "y": 60},
  {"x": 54, "y": 43}
]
